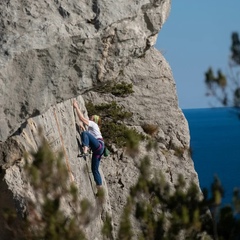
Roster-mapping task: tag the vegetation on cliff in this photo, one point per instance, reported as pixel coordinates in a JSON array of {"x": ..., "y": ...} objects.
[{"x": 160, "y": 211}]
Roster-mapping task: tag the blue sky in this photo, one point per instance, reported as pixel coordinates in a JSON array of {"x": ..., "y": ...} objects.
[{"x": 197, "y": 35}]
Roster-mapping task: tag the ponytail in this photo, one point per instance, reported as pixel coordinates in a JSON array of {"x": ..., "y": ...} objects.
[{"x": 97, "y": 119}]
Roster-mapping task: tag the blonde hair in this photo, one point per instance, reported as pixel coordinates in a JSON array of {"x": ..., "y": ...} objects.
[{"x": 97, "y": 119}]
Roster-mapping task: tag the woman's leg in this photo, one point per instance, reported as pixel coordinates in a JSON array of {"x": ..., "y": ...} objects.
[
  {"x": 96, "y": 158},
  {"x": 88, "y": 140},
  {"x": 85, "y": 141},
  {"x": 95, "y": 169}
]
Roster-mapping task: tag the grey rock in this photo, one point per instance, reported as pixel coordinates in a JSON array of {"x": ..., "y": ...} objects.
[{"x": 53, "y": 52}]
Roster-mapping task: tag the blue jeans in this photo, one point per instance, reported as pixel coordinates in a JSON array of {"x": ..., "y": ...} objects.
[{"x": 97, "y": 147}]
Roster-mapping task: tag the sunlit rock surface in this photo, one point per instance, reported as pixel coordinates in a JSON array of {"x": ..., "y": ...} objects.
[{"x": 54, "y": 51}]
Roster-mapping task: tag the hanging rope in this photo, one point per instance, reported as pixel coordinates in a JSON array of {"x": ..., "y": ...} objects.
[
  {"x": 78, "y": 129},
  {"x": 63, "y": 147}
]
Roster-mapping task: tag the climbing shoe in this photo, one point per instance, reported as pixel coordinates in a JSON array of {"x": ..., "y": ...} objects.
[{"x": 84, "y": 155}]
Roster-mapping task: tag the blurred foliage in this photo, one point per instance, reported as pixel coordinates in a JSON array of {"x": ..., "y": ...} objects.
[
  {"x": 45, "y": 218},
  {"x": 49, "y": 179},
  {"x": 125, "y": 230},
  {"x": 151, "y": 144},
  {"x": 107, "y": 229},
  {"x": 226, "y": 88},
  {"x": 182, "y": 213},
  {"x": 235, "y": 48},
  {"x": 161, "y": 211}
]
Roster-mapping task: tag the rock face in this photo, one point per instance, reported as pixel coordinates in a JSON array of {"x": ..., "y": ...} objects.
[{"x": 54, "y": 51}]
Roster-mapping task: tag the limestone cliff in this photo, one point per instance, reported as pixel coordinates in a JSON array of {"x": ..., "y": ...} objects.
[{"x": 54, "y": 51}]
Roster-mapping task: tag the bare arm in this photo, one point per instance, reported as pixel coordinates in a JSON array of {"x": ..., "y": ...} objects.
[
  {"x": 81, "y": 126},
  {"x": 79, "y": 113}
]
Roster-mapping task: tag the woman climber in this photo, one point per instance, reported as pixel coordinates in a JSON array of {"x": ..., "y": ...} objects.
[{"x": 92, "y": 139}]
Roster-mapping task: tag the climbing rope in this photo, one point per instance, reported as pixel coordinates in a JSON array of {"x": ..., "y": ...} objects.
[
  {"x": 78, "y": 130},
  {"x": 63, "y": 147}
]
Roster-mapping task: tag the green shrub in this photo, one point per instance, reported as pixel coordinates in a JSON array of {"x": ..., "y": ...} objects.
[
  {"x": 121, "y": 89},
  {"x": 110, "y": 111},
  {"x": 113, "y": 128}
]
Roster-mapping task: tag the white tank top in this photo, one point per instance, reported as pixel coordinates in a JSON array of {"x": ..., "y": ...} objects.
[{"x": 93, "y": 128}]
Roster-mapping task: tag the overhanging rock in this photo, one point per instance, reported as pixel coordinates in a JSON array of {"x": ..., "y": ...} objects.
[{"x": 54, "y": 51}]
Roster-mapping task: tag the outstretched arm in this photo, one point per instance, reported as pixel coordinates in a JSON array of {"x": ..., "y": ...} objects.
[{"x": 79, "y": 113}]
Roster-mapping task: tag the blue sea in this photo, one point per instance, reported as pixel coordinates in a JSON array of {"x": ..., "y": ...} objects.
[{"x": 215, "y": 144}]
